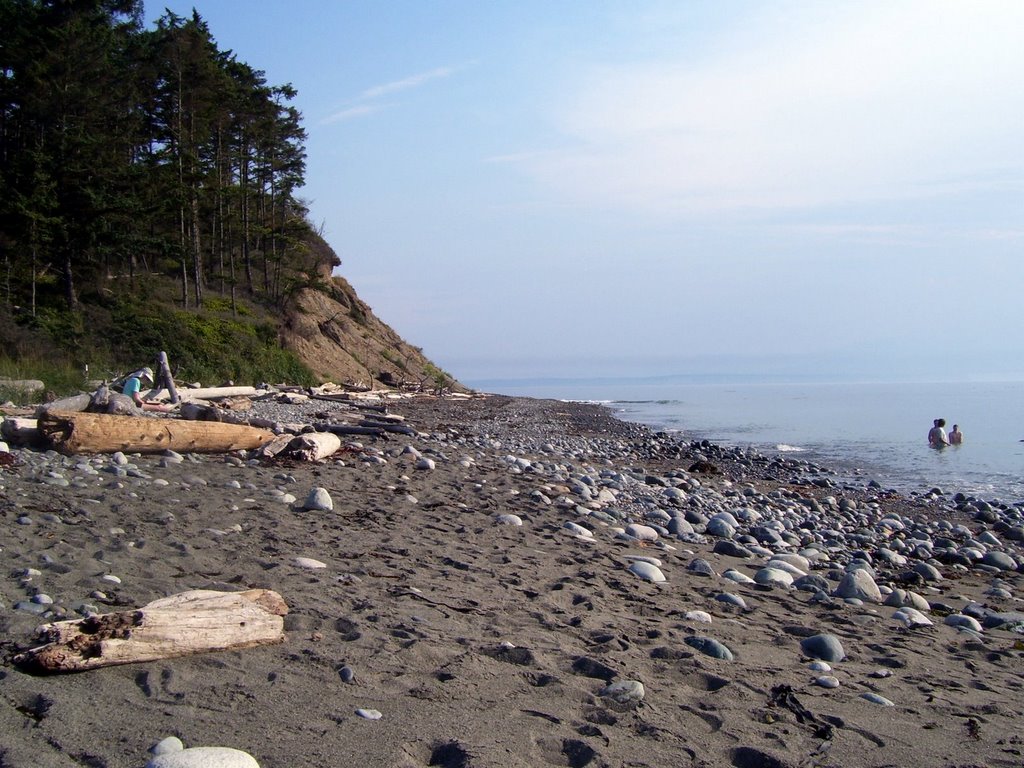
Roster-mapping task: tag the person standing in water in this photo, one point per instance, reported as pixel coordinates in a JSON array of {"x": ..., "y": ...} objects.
[
  {"x": 937, "y": 434},
  {"x": 956, "y": 437}
]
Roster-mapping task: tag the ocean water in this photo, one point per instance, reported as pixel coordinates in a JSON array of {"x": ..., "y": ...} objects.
[{"x": 863, "y": 430}]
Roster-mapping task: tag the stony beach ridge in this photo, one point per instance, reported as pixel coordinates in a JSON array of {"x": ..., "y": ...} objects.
[{"x": 517, "y": 583}]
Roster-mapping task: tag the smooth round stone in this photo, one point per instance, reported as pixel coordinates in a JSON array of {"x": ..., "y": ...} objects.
[
  {"x": 319, "y": 499},
  {"x": 119, "y": 459},
  {"x": 42, "y": 599},
  {"x": 369, "y": 714},
  {"x": 641, "y": 532},
  {"x": 426, "y": 464},
  {"x": 166, "y": 746},
  {"x": 111, "y": 578},
  {"x": 204, "y": 757},
  {"x": 812, "y": 582},
  {"x": 827, "y": 681},
  {"x": 874, "y": 698},
  {"x": 740, "y": 578},
  {"x": 347, "y": 674},
  {"x": 624, "y": 691},
  {"x": 721, "y": 528},
  {"x": 999, "y": 560},
  {"x": 858, "y": 584},
  {"x": 899, "y": 598},
  {"x": 826, "y": 647},
  {"x": 644, "y": 559},
  {"x": 709, "y": 647},
  {"x": 702, "y": 616},
  {"x": 309, "y": 562},
  {"x": 819, "y": 666},
  {"x": 508, "y": 519},
  {"x": 788, "y": 567},
  {"x": 647, "y": 571},
  {"x": 797, "y": 561},
  {"x": 730, "y": 599},
  {"x": 929, "y": 571},
  {"x": 701, "y": 568},
  {"x": 579, "y": 530},
  {"x": 772, "y": 577},
  {"x": 961, "y": 621},
  {"x": 729, "y": 548},
  {"x": 911, "y": 617}
]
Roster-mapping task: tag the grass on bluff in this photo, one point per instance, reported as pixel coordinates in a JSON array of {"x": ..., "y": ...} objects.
[{"x": 121, "y": 332}]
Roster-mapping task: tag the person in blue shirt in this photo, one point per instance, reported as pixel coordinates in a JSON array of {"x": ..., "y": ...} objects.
[{"x": 133, "y": 386}]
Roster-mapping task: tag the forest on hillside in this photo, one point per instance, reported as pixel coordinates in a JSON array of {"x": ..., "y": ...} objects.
[{"x": 127, "y": 152}]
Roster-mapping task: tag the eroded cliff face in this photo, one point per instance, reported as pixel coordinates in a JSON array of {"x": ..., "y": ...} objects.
[{"x": 341, "y": 340}]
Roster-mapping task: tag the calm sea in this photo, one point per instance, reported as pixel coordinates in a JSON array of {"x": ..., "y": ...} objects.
[{"x": 876, "y": 430}]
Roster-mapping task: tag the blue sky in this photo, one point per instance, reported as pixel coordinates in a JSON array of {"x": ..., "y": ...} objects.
[{"x": 572, "y": 188}]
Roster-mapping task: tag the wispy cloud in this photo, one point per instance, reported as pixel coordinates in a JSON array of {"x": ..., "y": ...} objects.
[
  {"x": 369, "y": 103},
  {"x": 414, "y": 81},
  {"x": 800, "y": 105},
  {"x": 351, "y": 113}
]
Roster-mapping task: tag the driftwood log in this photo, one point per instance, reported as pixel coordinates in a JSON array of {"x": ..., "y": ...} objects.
[
  {"x": 197, "y": 621},
  {"x": 103, "y": 433},
  {"x": 208, "y": 393}
]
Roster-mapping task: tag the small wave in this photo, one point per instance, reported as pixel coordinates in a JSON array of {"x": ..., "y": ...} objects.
[
  {"x": 783, "y": 448},
  {"x": 588, "y": 402}
]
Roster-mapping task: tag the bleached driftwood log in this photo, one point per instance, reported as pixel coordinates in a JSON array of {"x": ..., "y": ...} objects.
[
  {"x": 313, "y": 446},
  {"x": 103, "y": 433},
  {"x": 208, "y": 393},
  {"x": 197, "y": 621},
  {"x": 23, "y": 385}
]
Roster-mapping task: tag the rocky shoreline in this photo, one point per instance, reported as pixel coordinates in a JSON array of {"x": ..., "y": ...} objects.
[{"x": 520, "y": 583}]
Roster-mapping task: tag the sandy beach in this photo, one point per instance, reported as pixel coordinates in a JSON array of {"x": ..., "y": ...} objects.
[{"x": 481, "y": 642}]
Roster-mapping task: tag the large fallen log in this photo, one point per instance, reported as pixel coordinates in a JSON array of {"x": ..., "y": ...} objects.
[
  {"x": 103, "y": 433},
  {"x": 208, "y": 393},
  {"x": 197, "y": 621},
  {"x": 22, "y": 385}
]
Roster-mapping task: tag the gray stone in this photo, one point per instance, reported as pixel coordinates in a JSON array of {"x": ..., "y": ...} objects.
[
  {"x": 825, "y": 647},
  {"x": 709, "y": 647},
  {"x": 999, "y": 560},
  {"x": 319, "y": 500},
  {"x": 858, "y": 584}
]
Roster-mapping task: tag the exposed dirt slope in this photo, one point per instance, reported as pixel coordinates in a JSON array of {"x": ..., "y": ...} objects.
[{"x": 337, "y": 335}]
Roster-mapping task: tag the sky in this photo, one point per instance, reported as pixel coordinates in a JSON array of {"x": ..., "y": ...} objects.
[{"x": 572, "y": 189}]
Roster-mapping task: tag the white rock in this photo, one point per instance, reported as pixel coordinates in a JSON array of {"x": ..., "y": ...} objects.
[
  {"x": 514, "y": 520},
  {"x": 579, "y": 530},
  {"x": 204, "y": 757},
  {"x": 165, "y": 746},
  {"x": 641, "y": 532},
  {"x": 911, "y": 617},
  {"x": 773, "y": 577},
  {"x": 858, "y": 584},
  {"x": 962, "y": 621},
  {"x": 702, "y": 616},
  {"x": 644, "y": 559},
  {"x": 309, "y": 562},
  {"x": 369, "y": 714},
  {"x": 319, "y": 499},
  {"x": 740, "y": 578},
  {"x": 647, "y": 571}
]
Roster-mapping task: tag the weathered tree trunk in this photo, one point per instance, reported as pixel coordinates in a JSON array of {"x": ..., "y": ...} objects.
[
  {"x": 197, "y": 621},
  {"x": 103, "y": 433},
  {"x": 165, "y": 378},
  {"x": 210, "y": 393}
]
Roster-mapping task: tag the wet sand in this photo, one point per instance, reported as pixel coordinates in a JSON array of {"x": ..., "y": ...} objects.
[{"x": 488, "y": 644}]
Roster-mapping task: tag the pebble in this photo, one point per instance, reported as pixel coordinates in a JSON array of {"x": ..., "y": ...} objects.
[
  {"x": 508, "y": 519},
  {"x": 309, "y": 562},
  {"x": 824, "y": 646},
  {"x": 709, "y": 647},
  {"x": 875, "y": 698},
  {"x": 827, "y": 681},
  {"x": 646, "y": 571},
  {"x": 319, "y": 500},
  {"x": 701, "y": 616},
  {"x": 911, "y": 617},
  {"x": 627, "y": 692},
  {"x": 369, "y": 714},
  {"x": 204, "y": 757}
]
